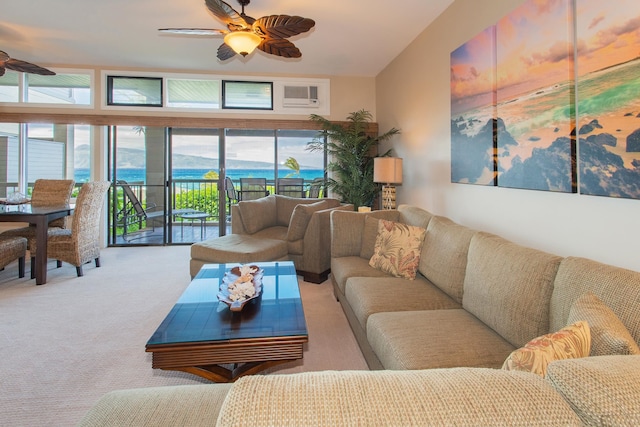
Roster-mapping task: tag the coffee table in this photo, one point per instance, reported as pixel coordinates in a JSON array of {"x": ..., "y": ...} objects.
[{"x": 202, "y": 336}]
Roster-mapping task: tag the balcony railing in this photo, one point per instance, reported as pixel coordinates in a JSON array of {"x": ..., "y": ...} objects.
[{"x": 193, "y": 201}]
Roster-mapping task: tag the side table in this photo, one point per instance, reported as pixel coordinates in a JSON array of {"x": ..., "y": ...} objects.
[{"x": 194, "y": 216}]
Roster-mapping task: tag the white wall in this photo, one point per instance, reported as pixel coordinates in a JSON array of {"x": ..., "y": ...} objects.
[{"x": 412, "y": 94}]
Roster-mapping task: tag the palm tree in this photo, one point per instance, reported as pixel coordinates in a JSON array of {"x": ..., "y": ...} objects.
[
  {"x": 351, "y": 151},
  {"x": 292, "y": 164}
]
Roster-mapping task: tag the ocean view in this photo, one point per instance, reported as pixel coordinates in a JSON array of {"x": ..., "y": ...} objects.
[{"x": 138, "y": 175}]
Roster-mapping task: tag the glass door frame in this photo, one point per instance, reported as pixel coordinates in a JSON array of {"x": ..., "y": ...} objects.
[{"x": 112, "y": 176}]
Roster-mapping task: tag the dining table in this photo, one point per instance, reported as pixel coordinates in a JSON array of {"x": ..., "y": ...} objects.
[{"x": 39, "y": 217}]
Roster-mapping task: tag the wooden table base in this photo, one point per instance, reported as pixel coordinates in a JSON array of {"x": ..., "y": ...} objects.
[
  {"x": 222, "y": 374},
  {"x": 228, "y": 361}
]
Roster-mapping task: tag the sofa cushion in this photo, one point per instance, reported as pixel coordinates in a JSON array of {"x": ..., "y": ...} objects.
[
  {"x": 444, "y": 255},
  {"x": 455, "y": 397},
  {"x": 239, "y": 248},
  {"x": 413, "y": 215},
  {"x": 300, "y": 219},
  {"x": 368, "y": 295},
  {"x": 397, "y": 250},
  {"x": 570, "y": 342},
  {"x": 618, "y": 288},
  {"x": 370, "y": 230},
  {"x": 276, "y": 232},
  {"x": 352, "y": 266},
  {"x": 369, "y": 236},
  {"x": 608, "y": 333},
  {"x": 285, "y": 206},
  {"x": 508, "y": 287},
  {"x": 602, "y": 390},
  {"x": 428, "y": 339},
  {"x": 258, "y": 214}
]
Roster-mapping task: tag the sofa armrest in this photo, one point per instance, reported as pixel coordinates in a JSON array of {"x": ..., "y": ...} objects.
[
  {"x": 182, "y": 405},
  {"x": 317, "y": 239},
  {"x": 236, "y": 221},
  {"x": 602, "y": 390}
]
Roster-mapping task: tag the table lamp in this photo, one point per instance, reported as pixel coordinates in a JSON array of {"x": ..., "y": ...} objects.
[{"x": 388, "y": 171}]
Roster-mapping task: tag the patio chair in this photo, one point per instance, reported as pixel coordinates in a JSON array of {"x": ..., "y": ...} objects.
[
  {"x": 253, "y": 188},
  {"x": 81, "y": 244},
  {"x": 232, "y": 194},
  {"x": 315, "y": 188},
  {"x": 292, "y": 187},
  {"x": 46, "y": 192},
  {"x": 133, "y": 212}
]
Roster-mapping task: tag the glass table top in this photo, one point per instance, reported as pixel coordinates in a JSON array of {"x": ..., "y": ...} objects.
[{"x": 198, "y": 316}]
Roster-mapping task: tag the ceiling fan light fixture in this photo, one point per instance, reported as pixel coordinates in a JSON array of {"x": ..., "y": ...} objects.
[{"x": 242, "y": 42}]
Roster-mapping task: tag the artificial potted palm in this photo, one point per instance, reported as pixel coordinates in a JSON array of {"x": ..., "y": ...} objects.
[{"x": 351, "y": 151}]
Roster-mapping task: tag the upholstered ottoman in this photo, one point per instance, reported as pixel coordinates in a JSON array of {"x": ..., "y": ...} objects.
[{"x": 236, "y": 248}]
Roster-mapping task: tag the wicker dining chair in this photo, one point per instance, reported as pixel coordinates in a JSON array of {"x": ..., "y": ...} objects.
[
  {"x": 46, "y": 192},
  {"x": 13, "y": 248},
  {"x": 81, "y": 243}
]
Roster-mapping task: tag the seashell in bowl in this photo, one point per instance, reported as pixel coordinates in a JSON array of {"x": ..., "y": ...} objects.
[{"x": 240, "y": 285}]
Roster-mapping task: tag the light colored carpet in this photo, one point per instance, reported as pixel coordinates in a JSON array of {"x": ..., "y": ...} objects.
[{"x": 65, "y": 344}]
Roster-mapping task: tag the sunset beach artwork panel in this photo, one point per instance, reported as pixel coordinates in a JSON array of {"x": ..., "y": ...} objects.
[
  {"x": 473, "y": 111},
  {"x": 609, "y": 97},
  {"x": 536, "y": 97}
]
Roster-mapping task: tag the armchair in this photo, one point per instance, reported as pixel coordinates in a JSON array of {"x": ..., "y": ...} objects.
[{"x": 304, "y": 224}]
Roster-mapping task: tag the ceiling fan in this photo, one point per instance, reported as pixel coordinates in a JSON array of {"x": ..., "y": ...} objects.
[
  {"x": 17, "y": 65},
  {"x": 244, "y": 34}
]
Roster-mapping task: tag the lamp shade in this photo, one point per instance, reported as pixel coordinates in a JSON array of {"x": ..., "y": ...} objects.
[
  {"x": 242, "y": 42},
  {"x": 387, "y": 170}
]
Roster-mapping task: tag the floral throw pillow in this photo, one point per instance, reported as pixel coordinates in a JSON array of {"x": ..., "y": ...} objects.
[
  {"x": 570, "y": 342},
  {"x": 397, "y": 249}
]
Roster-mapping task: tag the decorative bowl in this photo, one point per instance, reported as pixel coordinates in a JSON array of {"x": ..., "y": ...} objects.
[{"x": 236, "y": 291}]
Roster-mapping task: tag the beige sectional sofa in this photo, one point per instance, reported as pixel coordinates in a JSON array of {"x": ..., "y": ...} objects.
[
  {"x": 273, "y": 228},
  {"x": 476, "y": 298}
]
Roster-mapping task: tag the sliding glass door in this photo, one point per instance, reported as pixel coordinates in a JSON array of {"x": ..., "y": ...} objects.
[
  {"x": 138, "y": 206},
  {"x": 171, "y": 182},
  {"x": 194, "y": 156}
]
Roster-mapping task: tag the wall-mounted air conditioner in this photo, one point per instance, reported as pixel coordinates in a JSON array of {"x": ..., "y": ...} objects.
[{"x": 300, "y": 96}]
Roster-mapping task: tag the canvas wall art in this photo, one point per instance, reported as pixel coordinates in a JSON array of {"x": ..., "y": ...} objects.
[
  {"x": 608, "y": 61},
  {"x": 535, "y": 97},
  {"x": 473, "y": 111}
]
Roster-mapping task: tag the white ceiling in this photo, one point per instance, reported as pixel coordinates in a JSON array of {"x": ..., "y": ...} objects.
[{"x": 351, "y": 37}]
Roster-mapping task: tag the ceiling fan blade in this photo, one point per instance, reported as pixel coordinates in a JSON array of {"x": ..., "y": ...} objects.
[
  {"x": 227, "y": 14},
  {"x": 225, "y": 52},
  {"x": 282, "y": 26},
  {"x": 4, "y": 56},
  {"x": 194, "y": 31},
  {"x": 280, "y": 47},
  {"x": 1, "y": 71},
  {"x": 27, "y": 67}
]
